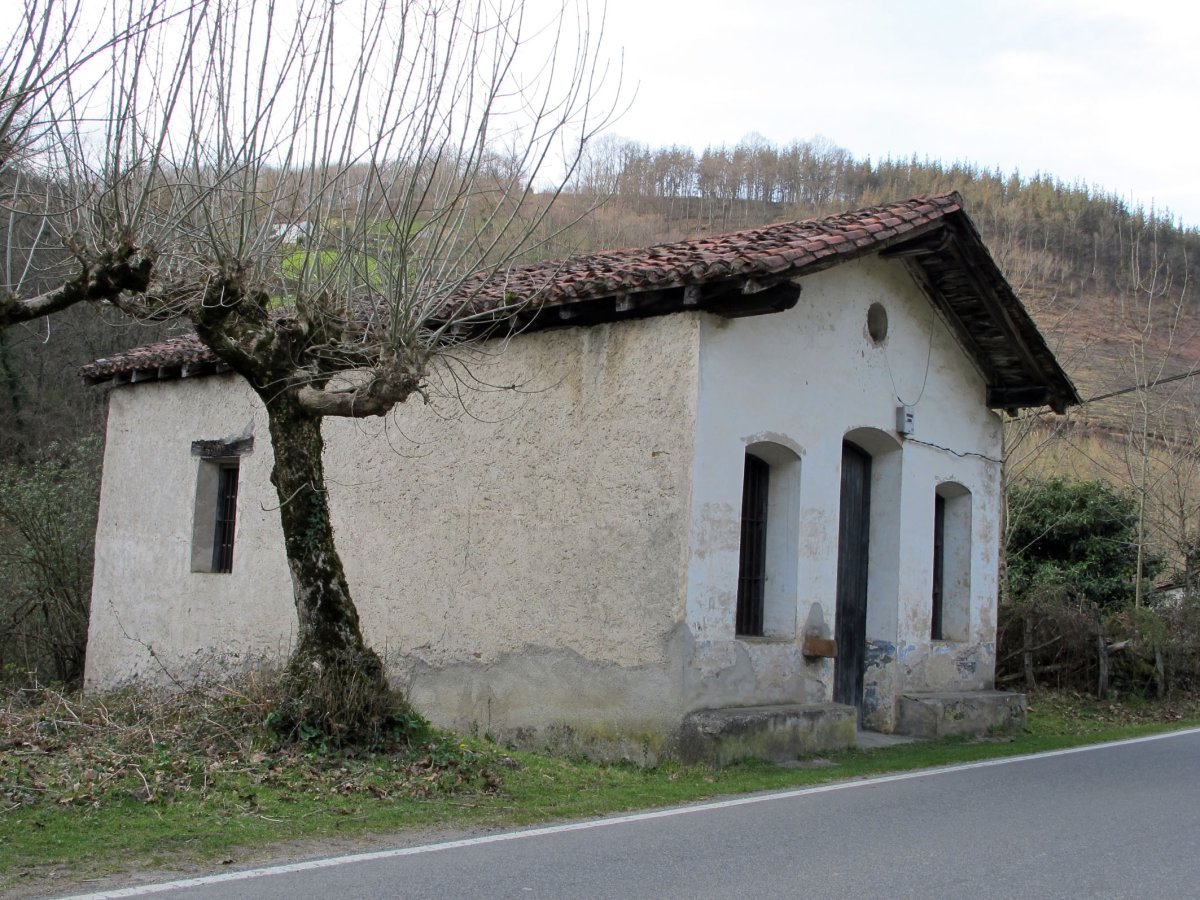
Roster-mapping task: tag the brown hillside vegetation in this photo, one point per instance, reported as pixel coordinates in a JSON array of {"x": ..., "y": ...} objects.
[{"x": 1108, "y": 283}]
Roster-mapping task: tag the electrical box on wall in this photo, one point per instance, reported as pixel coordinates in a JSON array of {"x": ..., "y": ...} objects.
[{"x": 905, "y": 418}]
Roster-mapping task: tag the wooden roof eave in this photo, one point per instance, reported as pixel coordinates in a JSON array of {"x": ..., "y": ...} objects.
[
  {"x": 729, "y": 298},
  {"x": 957, "y": 244}
]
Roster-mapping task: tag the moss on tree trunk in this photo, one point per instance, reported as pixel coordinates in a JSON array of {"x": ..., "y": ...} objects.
[{"x": 335, "y": 686}]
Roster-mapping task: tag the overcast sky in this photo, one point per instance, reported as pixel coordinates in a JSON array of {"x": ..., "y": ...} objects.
[
  {"x": 1104, "y": 91},
  {"x": 1101, "y": 91}
]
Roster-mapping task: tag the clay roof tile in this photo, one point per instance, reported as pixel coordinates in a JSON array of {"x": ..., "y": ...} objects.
[{"x": 772, "y": 250}]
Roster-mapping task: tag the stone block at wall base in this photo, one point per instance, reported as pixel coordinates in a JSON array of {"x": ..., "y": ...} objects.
[
  {"x": 775, "y": 733},
  {"x": 946, "y": 714}
]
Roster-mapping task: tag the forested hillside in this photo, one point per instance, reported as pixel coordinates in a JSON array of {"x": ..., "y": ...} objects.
[{"x": 1108, "y": 283}]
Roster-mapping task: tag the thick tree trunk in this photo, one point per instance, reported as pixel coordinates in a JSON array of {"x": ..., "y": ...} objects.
[
  {"x": 335, "y": 684},
  {"x": 328, "y": 619},
  {"x": 334, "y": 687}
]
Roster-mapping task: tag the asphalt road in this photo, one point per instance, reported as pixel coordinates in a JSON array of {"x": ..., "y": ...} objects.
[{"x": 1118, "y": 820}]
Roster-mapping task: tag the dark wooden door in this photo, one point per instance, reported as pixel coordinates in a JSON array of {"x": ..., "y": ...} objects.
[{"x": 853, "y": 533}]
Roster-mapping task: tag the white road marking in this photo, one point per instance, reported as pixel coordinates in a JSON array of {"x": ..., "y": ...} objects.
[{"x": 329, "y": 862}]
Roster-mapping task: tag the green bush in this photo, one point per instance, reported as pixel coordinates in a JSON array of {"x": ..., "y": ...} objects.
[
  {"x": 1078, "y": 536},
  {"x": 47, "y": 525}
]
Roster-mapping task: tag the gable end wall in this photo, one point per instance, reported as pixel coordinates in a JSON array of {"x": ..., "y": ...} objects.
[{"x": 807, "y": 378}]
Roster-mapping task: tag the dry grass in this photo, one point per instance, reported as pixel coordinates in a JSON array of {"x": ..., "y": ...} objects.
[{"x": 160, "y": 747}]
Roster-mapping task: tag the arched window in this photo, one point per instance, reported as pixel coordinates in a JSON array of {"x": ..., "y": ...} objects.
[
  {"x": 770, "y": 538},
  {"x": 951, "y": 601}
]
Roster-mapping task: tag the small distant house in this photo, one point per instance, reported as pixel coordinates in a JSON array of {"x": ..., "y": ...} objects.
[
  {"x": 293, "y": 232},
  {"x": 745, "y": 496}
]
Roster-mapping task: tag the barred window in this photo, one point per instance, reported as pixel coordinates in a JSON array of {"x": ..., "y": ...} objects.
[
  {"x": 768, "y": 560},
  {"x": 214, "y": 524},
  {"x": 752, "y": 570},
  {"x": 226, "y": 515}
]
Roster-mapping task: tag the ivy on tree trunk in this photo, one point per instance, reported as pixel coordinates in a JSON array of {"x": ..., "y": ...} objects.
[{"x": 335, "y": 683}]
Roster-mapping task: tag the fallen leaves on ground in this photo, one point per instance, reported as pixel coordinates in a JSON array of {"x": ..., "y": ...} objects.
[{"x": 159, "y": 746}]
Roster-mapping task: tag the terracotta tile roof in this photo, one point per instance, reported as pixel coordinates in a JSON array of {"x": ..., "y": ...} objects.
[
  {"x": 774, "y": 250},
  {"x": 173, "y": 352},
  {"x": 742, "y": 273},
  {"x": 789, "y": 248}
]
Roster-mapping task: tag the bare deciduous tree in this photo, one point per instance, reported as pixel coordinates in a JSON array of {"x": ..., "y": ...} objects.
[
  {"x": 41, "y": 98},
  {"x": 321, "y": 191}
]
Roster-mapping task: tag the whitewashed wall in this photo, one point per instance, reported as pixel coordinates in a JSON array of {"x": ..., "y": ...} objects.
[
  {"x": 540, "y": 562},
  {"x": 517, "y": 558},
  {"x": 807, "y": 379}
]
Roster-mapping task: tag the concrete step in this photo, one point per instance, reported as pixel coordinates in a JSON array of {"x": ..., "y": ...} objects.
[
  {"x": 774, "y": 733},
  {"x": 875, "y": 740},
  {"x": 969, "y": 713}
]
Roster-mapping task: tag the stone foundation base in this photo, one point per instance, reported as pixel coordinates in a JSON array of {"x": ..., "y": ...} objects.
[
  {"x": 774, "y": 733},
  {"x": 935, "y": 715}
]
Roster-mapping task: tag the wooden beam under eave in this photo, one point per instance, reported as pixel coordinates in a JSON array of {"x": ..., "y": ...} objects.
[
  {"x": 780, "y": 297},
  {"x": 922, "y": 246},
  {"x": 1019, "y": 398},
  {"x": 961, "y": 332},
  {"x": 986, "y": 292}
]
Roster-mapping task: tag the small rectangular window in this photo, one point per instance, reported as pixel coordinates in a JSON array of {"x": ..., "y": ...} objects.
[{"x": 214, "y": 524}]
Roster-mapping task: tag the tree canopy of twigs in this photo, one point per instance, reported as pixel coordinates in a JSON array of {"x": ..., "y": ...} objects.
[
  {"x": 316, "y": 186},
  {"x": 49, "y": 71}
]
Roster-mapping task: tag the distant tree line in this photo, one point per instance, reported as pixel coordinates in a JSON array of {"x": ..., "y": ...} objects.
[{"x": 1099, "y": 234}]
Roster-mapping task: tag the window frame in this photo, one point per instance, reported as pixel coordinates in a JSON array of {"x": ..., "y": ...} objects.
[
  {"x": 768, "y": 579},
  {"x": 214, "y": 511},
  {"x": 752, "y": 551},
  {"x": 952, "y": 560}
]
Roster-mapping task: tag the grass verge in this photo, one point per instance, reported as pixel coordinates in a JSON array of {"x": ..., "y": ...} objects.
[{"x": 91, "y": 788}]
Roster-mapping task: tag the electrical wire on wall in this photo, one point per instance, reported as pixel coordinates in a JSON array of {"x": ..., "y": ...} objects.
[
  {"x": 962, "y": 454},
  {"x": 933, "y": 320}
]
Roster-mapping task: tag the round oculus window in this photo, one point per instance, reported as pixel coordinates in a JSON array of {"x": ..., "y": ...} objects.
[{"x": 877, "y": 323}]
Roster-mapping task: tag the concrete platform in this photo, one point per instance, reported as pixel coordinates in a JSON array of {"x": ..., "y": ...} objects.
[
  {"x": 969, "y": 713},
  {"x": 877, "y": 740},
  {"x": 774, "y": 733}
]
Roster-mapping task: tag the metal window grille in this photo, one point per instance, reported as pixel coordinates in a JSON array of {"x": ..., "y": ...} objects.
[
  {"x": 939, "y": 569},
  {"x": 752, "y": 572},
  {"x": 227, "y": 487}
]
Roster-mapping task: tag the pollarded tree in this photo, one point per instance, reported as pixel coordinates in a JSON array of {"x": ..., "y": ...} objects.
[
  {"x": 43, "y": 83},
  {"x": 414, "y": 148}
]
